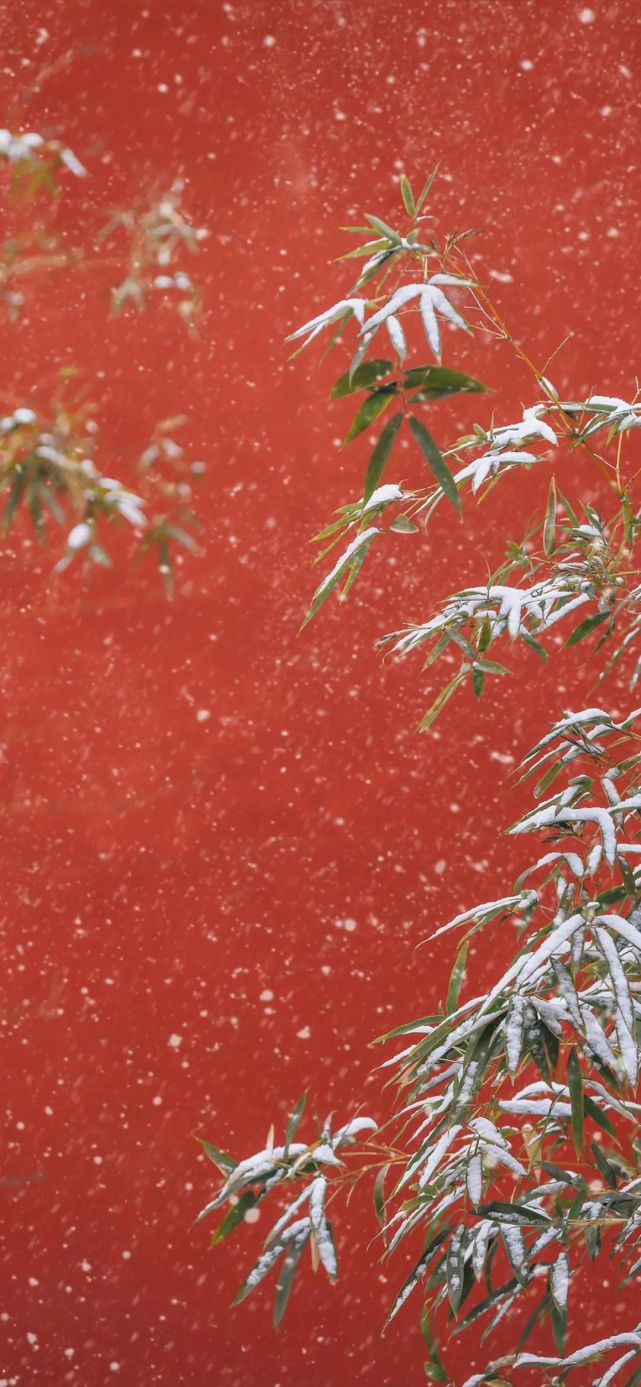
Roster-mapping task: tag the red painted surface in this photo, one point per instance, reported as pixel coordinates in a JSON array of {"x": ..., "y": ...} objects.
[{"x": 161, "y": 871}]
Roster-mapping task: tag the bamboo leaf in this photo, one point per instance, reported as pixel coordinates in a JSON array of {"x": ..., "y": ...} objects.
[
  {"x": 500, "y": 1211},
  {"x": 438, "y": 382},
  {"x": 571, "y": 514},
  {"x": 608, "y": 1172},
  {"x": 454, "y": 1266},
  {"x": 294, "y": 1121},
  {"x": 402, "y": 525},
  {"x": 417, "y": 1273},
  {"x": 383, "y": 229},
  {"x": 550, "y": 519},
  {"x": 534, "y": 645},
  {"x": 575, "y": 1085},
  {"x": 407, "y": 196},
  {"x": 456, "y": 978},
  {"x": 286, "y": 1279},
  {"x": 592, "y": 1109},
  {"x": 365, "y": 375},
  {"x": 478, "y": 680},
  {"x": 559, "y": 1320},
  {"x": 221, "y": 1159},
  {"x": 370, "y": 410},
  {"x": 380, "y": 455},
  {"x": 423, "y": 194},
  {"x": 435, "y": 1368},
  {"x": 379, "y": 1196},
  {"x": 585, "y": 628},
  {"x": 233, "y": 1217},
  {"x": 435, "y": 462},
  {"x": 352, "y": 558},
  {"x": 439, "y": 703}
]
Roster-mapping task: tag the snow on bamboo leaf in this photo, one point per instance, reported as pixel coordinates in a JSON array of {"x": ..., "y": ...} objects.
[
  {"x": 344, "y": 308},
  {"x": 350, "y": 559},
  {"x": 431, "y": 300},
  {"x": 285, "y": 1168},
  {"x": 322, "y": 1228}
]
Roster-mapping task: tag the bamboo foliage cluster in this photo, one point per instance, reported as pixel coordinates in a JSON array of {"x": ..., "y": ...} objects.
[
  {"x": 48, "y": 472},
  {"x": 513, "y": 1157}
]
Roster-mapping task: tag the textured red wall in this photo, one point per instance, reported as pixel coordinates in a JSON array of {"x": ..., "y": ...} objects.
[{"x": 162, "y": 870}]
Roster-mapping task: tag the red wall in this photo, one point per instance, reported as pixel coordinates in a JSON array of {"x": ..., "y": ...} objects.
[{"x": 160, "y": 871}]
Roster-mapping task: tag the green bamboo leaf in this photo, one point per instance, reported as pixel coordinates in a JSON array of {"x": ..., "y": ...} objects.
[
  {"x": 294, "y": 1121},
  {"x": 592, "y": 1238},
  {"x": 627, "y": 876},
  {"x": 559, "y": 1321},
  {"x": 484, "y": 1305},
  {"x": 383, "y": 229},
  {"x": 478, "y": 680},
  {"x": 332, "y": 528},
  {"x": 549, "y": 526},
  {"x": 550, "y": 775},
  {"x": 435, "y": 1368},
  {"x": 364, "y": 376},
  {"x": 485, "y": 635},
  {"x": 491, "y": 667},
  {"x": 379, "y": 1196},
  {"x": 221, "y": 1159},
  {"x": 456, "y": 978},
  {"x": 593, "y": 1110},
  {"x": 611, "y": 896},
  {"x": 382, "y": 450},
  {"x": 435, "y": 462},
  {"x": 628, "y": 520},
  {"x": 587, "y": 627},
  {"x": 436, "y": 653},
  {"x": 233, "y": 1217},
  {"x": 534, "y": 645},
  {"x": 569, "y": 511},
  {"x": 608, "y": 1172},
  {"x": 286, "y": 1279},
  {"x": 17, "y": 487},
  {"x": 439, "y": 703},
  {"x": 437, "y": 382},
  {"x": 402, "y": 525},
  {"x": 366, "y": 251},
  {"x": 422, "y": 196},
  {"x": 370, "y": 410},
  {"x": 407, "y": 195},
  {"x": 575, "y": 1085},
  {"x": 535, "y": 1044}
]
